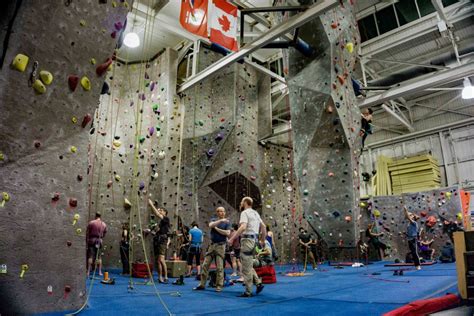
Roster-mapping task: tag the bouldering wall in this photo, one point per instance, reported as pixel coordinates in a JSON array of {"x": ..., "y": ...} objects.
[
  {"x": 47, "y": 99},
  {"x": 325, "y": 125},
  {"x": 433, "y": 207},
  {"x": 135, "y": 124}
]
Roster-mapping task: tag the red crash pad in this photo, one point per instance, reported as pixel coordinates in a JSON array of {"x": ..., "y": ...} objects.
[
  {"x": 267, "y": 273},
  {"x": 423, "y": 307}
]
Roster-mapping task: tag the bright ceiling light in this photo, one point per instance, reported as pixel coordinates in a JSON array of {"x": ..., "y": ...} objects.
[
  {"x": 468, "y": 90},
  {"x": 131, "y": 40}
]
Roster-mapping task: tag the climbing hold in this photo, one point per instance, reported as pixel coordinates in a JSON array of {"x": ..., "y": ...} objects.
[
  {"x": 459, "y": 216},
  {"x": 334, "y": 25},
  {"x": 24, "y": 268},
  {"x": 448, "y": 195},
  {"x": 117, "y": 143},
  {"x": 331, "y": 174},
  {"x": 155, "y": 175},
  {"x": 50, "y": 289},
  {"x": 253, "y": 178},
  {"x": 73, "y": 149},
  {"x": 141, "y": 186},
  {"x": 431, "y": 221},
  {"x": 161, "y": 155},
  {"x": 2, "y": 157},
  {"x": 55, "y": 197},
  {"x": 39, "y": 87},
  {"x": 76, "y": 218},
  {"x": 102, "y": 68},
  {"x": 348, "y": 218},
  {"x": 105, "y": 88},
  {"x": 350, "y": 47},
  {"x": 46, "y": 77},
  {"x": 82, "y": 22},
  {"x": 117, "y": 178},
  {"x": 376, "y": 213},
  {"x": 20, "y": 62},
  {"x": 85, "y": 83},
  {"x": 72, "y": 81},
  {"x": 127, "y": 204},
  {"x": 109, "y": 184},
  {"x": 78, "y": 231},
  {"x": 93, "y": 61},
  {"x": 141, "y": 139},
  {"x": 219, "y": 137},
  {"x": 289, "y": 188},
  {"x": 201, "y": 123},
  {"x": 87, "y": 118},
  {"x": 341, "y": 79},
  {"x": 74, "y": 120},
  {"x": 73, "y": 202},
  {"x": 210, "y": 153},
  {"x": 5, "y": 198},
  {"x": 305, "y": 192},
  {"x": 151, "y": 130}
]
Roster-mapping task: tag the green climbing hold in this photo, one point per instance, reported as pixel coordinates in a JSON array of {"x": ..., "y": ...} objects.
[{"x": 141, "y": 139}]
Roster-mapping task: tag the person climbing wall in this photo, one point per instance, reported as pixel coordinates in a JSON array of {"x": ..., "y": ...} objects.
[{"x": 366, "y": 125}]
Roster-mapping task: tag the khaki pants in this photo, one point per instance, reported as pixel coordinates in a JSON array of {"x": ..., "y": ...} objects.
[
  {"x": 247, "y": 255},
  {"x": 214, "y": 251}
]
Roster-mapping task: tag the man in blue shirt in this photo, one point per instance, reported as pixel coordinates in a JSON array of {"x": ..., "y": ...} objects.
[
  {"x": 194, "y": 251},
  {"x": 412, "y": 236},
  {"x": 220, "y": 230}
]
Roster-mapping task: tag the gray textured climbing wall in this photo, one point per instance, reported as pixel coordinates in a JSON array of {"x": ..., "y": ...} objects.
[
  {"x": 325, "y": 123},
  {"x": 281, "y": 201},
  {"x": 220, "y": 149},
  {"x": 432, "y": 206},
  {"x": 133, "y": 129},
  {"x": 44, "y": 149}
]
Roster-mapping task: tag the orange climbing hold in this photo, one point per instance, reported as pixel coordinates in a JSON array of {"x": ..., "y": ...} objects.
[{"x": 341, "y": 79}]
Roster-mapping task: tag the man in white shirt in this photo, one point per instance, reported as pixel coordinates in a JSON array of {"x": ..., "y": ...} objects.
[{"x": 250, "y": 226}]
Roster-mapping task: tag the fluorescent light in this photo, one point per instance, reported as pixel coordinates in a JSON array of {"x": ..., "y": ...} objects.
[
  {"x": 468, "y": 90},
  {"x": 131, "y": 40}
]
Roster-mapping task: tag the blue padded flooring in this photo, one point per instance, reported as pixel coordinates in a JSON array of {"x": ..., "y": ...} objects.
[{"x": 326, "y": 291}]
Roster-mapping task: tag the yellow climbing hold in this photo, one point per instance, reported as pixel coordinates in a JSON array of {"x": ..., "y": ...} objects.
[
  {"x": 85, "y": 83},
  {"x": 93, "y": 61},
  {"x": 74, "y": 120},
  {"x": 350, "y": 47},
  {"x": 5, "y": 196},
  {"x": 117, "y": 178},
  {"x": 117, "y": 143},
  {"x": 459, "y": 216},
  {"x": 39, "y": 86},
  {"x": 448, "y": 195},
  {"x": 2, "y": 157},
  {"x": 76, "y": 218},
  {"x": 73, "y": 149},
  {"x": 78, "y": 231},
  {"x": 20, "y": 62},
  {"x": 46, "y": 77},
  {"x": 82, "y": 22},
  {"x": 125, "y": 4},
  {"x": 376, "y": 213},
  {"x": 114, "y": 4},
  {"x": 126, "y": 203}
]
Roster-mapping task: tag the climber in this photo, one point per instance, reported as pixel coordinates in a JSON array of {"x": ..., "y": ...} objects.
[
  {"x": 412, "y": 236},
  {"x": 373, "y": 239},
  {"x": 96, "y": 230},
  {"x": 366, "y": 126}
]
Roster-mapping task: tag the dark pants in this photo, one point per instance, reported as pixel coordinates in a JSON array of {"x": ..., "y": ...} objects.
[
  {"x": 414, "y": 251},
  {"x": 124, "y": 248}
]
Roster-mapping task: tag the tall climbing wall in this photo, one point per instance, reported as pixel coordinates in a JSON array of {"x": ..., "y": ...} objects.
[
  {"x": 281, "y": 201},
  {"x": 433, "y": 207},
  {"x": 48, "y": 96},
  {"x": 133, "y": 129},
  {"x": 220, "y": 149},
  {"x": 325, "y": 124}
]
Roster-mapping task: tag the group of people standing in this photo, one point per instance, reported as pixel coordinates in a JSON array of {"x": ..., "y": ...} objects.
[{"x": 245, "y": 243}]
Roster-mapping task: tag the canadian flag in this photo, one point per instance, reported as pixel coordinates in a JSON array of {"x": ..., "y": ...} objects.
[{"x": 223, "y": 24}]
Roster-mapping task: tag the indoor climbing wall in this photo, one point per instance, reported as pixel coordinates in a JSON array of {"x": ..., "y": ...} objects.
[
  {"x": 129, "y": 144},
  {"x": 281, "y": 203},
  {"x": 50, "y": 81},
  {"x": 220, "y": 149},
  {"x": 325, "y": 124},
  {"x": 433, "y": 207}
]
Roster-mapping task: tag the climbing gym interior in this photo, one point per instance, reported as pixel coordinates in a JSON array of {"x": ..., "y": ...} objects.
[{"x": 199, "y": 157}]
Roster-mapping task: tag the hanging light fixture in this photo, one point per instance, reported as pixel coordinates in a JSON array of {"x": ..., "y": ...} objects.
[
  {"x": 131, "y": 40},
  {"x": 468, "y": 90}
]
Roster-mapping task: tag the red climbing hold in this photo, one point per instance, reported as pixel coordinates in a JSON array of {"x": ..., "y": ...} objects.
[
  {"x": 72, "y": 202},
  {"x": 73, "y": 81},
  {"x": 341, "y": 79},
  {"x": 87, "y": 118},
  {"x": 431, "y": 221},
  {"x": 334, "y": 25},
  {"x": 102, "y": 68}
]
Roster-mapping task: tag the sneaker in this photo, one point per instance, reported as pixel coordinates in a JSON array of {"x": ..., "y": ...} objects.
[
  {"x": 199, "y": 288},
  {"x": 244, "y": 295},
  {"x": 218, "y": 289},
  {"x": 260, "y": 288},
  {"x": 418, "y": 267}
]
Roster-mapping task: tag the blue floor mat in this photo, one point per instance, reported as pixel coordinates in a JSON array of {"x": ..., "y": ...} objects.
[{"x": 371, "y": 290}]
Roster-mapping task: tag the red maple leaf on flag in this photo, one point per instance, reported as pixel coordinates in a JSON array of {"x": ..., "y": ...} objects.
[{"x": 224, "y": 22}]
